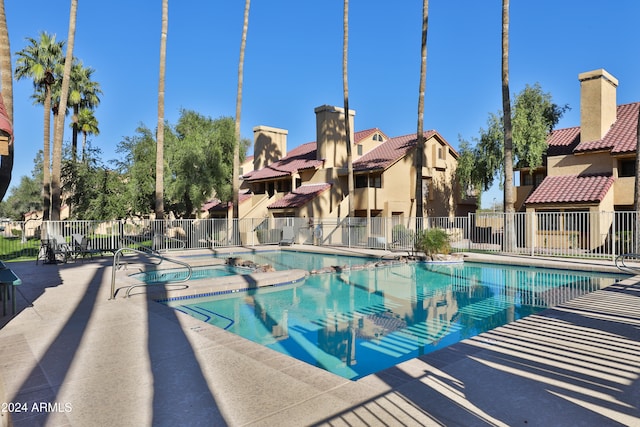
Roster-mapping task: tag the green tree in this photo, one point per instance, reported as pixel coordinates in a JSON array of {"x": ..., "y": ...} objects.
[
  {"x": 6, "y": 81},
  {"x": 22, "y": 199},
  {"x": 26, "y": 196},
  {"x": 534, "y": 115},
  {"x": 199, "y": 164},
  {"x": 87, "y": 124},
  {"x": 138, "y": 169},
  {"x": 93, "y": 191},
  {"x": 38, "y": 61},
  {"x": 420, "y": 132},
  {"x": 84, "y": 94},
  {"x": 58, "y": 134},
  {"x": 200, "y": 158}
]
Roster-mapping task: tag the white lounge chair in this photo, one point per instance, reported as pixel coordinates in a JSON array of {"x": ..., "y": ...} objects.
[{"x": 288, "y": 236}]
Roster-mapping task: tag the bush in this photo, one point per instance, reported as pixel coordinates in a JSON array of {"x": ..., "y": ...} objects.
[{"x": 432, "y": 241}]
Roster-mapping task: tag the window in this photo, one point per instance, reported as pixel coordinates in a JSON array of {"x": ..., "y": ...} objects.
[
  {"x": 627, "y": 168},
  {"x": 372, "y": 181},
  {"x": 375, "y": 181},
  {"x": 361, "y": 181},
  {"x": 441, "y": 153},
  {"x": 527, "y": 179},
  {"x": 359, "y": 150}
]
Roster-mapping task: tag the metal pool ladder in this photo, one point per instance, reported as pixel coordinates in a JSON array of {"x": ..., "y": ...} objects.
[
  {"x": 622, "y": 265},
  {"x": 150, "y": 254}
]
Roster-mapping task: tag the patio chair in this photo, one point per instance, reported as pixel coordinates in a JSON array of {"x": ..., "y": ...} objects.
[
  {"x": 59, "y": 249},
  {"x": 288, "y": 236},
  {"x": 82, "y": 247}
]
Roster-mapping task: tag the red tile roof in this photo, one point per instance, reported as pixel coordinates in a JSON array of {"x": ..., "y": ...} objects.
[
  {"x": 218, "y": 205},
  {"x": 301, "y": 157},
  {"x": 621, "y": 137},
  {"x": 563, "y": 141},
  {"x": 571, "y": 189},
  {"x": 300, "y": 196},
  {"x": 360, "y": 135},
  {"x": 387, "y": 153},
  {"x": 623, "y": 133}
]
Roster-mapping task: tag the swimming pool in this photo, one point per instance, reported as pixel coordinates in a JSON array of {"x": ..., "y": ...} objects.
[
  {"x": 309, "y": 261},
  {"x": 360, "y": 322},
  {"x": 176, "y": 274}
]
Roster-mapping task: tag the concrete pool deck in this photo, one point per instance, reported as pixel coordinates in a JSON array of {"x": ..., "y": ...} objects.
[{"x": 72, "y": 357}]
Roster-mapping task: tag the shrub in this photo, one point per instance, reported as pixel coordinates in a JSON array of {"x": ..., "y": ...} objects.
[{"x": 432, "y": 241}]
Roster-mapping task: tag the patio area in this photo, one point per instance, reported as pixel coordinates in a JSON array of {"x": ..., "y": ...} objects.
[{"x": 72, "y": 357}]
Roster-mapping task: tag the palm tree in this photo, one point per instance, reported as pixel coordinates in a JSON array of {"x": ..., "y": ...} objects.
[
  {"x": 88, "y": 125},
  {"x": 58, "y": 132},
  {"x": 345, "y": 86},
  {"x": 159, "y": 204},
  {"x": 84, "y": 93},
  {"x": 38, "y": 61},
  {"x": 6, "y": 80},
  {"x": 236, "y": 144},
  {"x": 420, "y": 132},
  {"x": 508, "y": 139}
]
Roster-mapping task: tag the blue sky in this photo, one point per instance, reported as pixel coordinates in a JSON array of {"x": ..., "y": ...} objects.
[{"x": 294, "y": 58}]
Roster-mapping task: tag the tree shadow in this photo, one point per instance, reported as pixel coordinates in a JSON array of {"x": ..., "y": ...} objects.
[
  {"x": 180, "y": 390},
  {"x": 85, "y": 341}
]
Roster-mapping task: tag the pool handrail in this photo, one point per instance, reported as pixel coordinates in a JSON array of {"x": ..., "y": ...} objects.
[
  {"x": 149, "y": 253},
  {"x": 622, "y": 266}
]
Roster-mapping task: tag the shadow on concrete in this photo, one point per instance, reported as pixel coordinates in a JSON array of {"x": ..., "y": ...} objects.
[
  {"x": 48, "y": 372},
  {"x": 577, "y": 364},
  {"x": 180, "y": 389}
]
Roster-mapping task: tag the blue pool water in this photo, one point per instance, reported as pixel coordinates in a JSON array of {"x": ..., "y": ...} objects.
[
  {"x": 354, "y": 324},
  {"x": 172, "y": 275},
  {"x": 287, "y": 260}
]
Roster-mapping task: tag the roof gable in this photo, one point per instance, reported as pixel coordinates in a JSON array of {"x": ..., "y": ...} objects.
[
  {"x": 392, "y": 150},
  {"x": 363, "y": 134}
]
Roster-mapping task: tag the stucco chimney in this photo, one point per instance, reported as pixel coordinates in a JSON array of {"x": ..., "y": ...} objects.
[
  {"x": 269, "y": 145},
  {"x": 597, "y": 104},
  {"x": 331, "y": 136}
]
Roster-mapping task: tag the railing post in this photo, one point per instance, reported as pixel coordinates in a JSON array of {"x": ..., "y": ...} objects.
[
  {"x": 613, "y": 237},
  {"x": 469, "y": 231},
  {"x": 532, "y": 230}
]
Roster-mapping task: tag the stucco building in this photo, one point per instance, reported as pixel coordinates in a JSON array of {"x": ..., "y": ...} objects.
[
  {"x": 311, "y": 180},
  {"x": 588, "y": 168}
]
